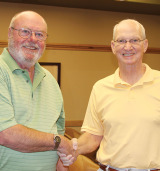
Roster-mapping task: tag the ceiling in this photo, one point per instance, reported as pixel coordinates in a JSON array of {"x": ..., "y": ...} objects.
[{"x": 151, "y": 7}]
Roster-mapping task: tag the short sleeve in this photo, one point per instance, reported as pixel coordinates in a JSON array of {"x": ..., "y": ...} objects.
[
  {"x": 6, "y": 108},
  {"x": 92, "y": 122},
  {"x": 61, "y": 122}
]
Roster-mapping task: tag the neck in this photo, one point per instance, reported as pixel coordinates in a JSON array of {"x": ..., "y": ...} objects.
[
  {"x": 28, "y": 68},
  {"x": 132, "y": 74},
  {"x": 30, "y": 71}
]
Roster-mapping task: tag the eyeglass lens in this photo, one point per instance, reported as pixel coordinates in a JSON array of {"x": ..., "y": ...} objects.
[{"x": 26, "y": 33}]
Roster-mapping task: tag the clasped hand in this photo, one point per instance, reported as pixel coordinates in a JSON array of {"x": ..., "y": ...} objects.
[{"x": 70, "y": 158}]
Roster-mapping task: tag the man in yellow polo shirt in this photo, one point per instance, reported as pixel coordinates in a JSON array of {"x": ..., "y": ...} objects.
[
  {"x": 32, "y": 117},
  {"x": 123, "y": 114}
]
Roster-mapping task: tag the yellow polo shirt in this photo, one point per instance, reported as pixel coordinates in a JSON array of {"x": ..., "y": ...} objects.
[{"x": 128, "y": 117}]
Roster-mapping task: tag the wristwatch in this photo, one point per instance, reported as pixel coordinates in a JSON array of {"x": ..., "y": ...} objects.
[{"x": 57, "y": 141}]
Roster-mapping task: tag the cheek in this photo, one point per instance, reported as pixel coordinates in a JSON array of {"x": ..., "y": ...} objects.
[
  {"x": 42, "y": 47},
  {"x": 18, "y": 40},
  {"x": 117, "y": 51},
  {"x": 141, "y": 50},
  {"x": 17, "y": 45}
]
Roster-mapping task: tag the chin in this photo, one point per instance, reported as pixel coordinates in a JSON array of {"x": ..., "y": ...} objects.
[{"x": 32, "y": 60}]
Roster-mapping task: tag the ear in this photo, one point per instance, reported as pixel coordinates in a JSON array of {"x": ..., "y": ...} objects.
[
  {"x": 9, "y": 33},
  {"x": 113, "y": 47},
  {"x": 145, "y": 45}
]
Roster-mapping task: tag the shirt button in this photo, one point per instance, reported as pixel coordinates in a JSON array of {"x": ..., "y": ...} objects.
[{"x": 27, "y": 81}]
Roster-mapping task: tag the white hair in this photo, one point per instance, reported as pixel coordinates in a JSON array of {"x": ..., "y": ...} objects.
[{"x": 138, "y": 25}]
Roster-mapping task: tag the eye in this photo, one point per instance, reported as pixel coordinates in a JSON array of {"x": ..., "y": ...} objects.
[
  {"x": 134, "y": 40},
  {"x": 122, "y": 41},
  {"x": 25, "y": 32},
  {"x": 39, "y": 34}
]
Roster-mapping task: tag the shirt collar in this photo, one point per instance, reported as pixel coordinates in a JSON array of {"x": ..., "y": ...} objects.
[
  {"x": 9, "y": 60},
  {"x": 147, "y": 77},
  {"x": 12, "y": 64}
]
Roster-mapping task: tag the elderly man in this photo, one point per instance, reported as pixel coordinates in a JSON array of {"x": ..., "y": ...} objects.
[
  {"x": 123, "y": 114},
  {"x": 31, "y": 104}
]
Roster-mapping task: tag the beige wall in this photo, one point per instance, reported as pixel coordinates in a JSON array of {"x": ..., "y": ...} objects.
[{"x": 81, "y": 69}]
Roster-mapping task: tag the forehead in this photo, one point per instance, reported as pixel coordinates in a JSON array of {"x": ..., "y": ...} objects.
[
  {"x": 127, "y": 30},
  {"x": 32, "y": 21}
]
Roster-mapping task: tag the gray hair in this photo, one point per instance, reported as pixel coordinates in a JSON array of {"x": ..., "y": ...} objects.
[{"x": 138, "y": 25}]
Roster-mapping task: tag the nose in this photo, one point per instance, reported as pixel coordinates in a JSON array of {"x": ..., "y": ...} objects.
[
  {"x": 33, "y": 37},
  {"x": 128, "y": 45}
]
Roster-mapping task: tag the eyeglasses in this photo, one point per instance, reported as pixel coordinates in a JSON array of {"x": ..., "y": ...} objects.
[
  {"x": 131, "y": 41},
  {"x": 26, "y": 33}
]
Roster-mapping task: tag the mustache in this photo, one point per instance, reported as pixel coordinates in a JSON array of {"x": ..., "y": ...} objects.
[{"x": 30, "y": 44}]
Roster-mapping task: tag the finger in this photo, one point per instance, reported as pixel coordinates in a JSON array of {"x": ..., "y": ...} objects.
[
  {"x": 75, "y": 143},
  {"x": 61, "y": 154},
  {"x": 67, "y": 163},
  {"x": 71, "y": 160},
  {"x": 66, "y": 158},
  {"x": 69, "y": 156}
]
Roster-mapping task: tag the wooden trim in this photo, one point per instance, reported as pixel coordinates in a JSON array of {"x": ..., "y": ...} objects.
[
  {"x": 74, "y": 123},
  {"x": 89, "y": 47},
  {"x": 83, "y": 47},
  {"x": 3, "y": 44},
  {"x": 79, "y": 47},
  {"x": 153, "y": 50}
]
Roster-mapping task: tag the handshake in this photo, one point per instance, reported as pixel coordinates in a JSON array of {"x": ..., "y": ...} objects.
[
  {"x": 70, "y": 149},
  {"x": 68, "y": 155}
]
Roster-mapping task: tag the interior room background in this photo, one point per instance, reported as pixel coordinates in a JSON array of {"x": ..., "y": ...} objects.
[{"x": 81, "y": 69}]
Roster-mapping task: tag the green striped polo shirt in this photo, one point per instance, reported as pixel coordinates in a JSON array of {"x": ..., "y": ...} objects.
[{"x": 38, "y": 106}]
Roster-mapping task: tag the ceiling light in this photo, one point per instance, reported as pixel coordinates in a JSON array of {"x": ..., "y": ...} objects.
[{"x": 143, "y": 1}]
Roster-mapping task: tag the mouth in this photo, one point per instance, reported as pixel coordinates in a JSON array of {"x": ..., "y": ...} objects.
[
  {"x": 30, "y": 47},
  {"x": 128, "y": 54}
]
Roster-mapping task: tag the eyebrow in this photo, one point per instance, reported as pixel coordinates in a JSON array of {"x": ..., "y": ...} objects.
[{"x": 25, "y": 27}]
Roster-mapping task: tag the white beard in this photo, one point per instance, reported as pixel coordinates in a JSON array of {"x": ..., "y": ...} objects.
[{"x": 19, "y": 55}]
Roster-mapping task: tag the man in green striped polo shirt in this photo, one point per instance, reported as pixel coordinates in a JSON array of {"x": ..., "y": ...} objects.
[{"x": 32, "y": 117}]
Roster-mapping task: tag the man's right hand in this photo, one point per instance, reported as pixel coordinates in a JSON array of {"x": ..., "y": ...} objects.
[{"x": 71, "y": 158}]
